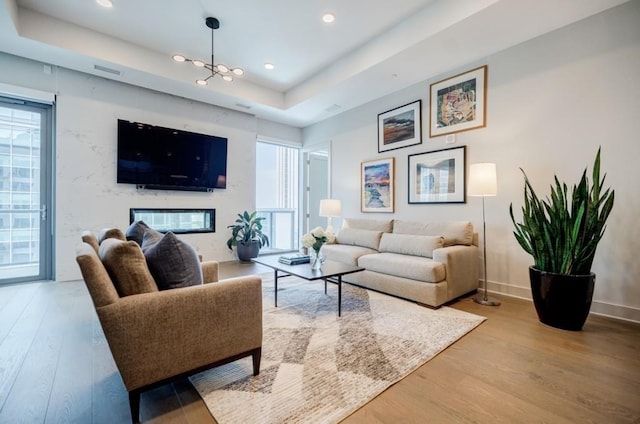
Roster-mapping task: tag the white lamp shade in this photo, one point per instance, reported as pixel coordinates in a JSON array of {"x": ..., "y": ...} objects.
[
  {"x": 483, "y": 180},
  {"x": 330, "y": 207}
]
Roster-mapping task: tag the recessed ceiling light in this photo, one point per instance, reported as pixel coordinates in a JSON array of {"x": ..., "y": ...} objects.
[
  {"x": 269, "y": 66},
  {"x": 105, "y": 3},
  {"x": 328, "y": 17}
]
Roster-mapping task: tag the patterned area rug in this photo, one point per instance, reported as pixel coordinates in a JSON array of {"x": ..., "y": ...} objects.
[{"x": 319, "y": 368}]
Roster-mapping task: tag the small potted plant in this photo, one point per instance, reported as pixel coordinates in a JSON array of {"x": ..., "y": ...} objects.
[
  {"x": 562, "y": 232},
  {"x": 247, "y": 236}
]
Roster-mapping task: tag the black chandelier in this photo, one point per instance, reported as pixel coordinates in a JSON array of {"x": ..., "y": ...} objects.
[{"x": 224, "y": 71}]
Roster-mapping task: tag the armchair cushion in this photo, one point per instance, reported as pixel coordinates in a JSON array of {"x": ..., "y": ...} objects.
[
  {"x": 127, "y": 267},
  {"x": 172, "y": 262},
  {"x": 88, "y": 237},
  {"x": 106, "y": 233}
]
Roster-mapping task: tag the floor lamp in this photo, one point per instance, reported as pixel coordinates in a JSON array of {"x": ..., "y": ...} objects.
[
  {"x": 482, "y": 183},
  {"x": 330, "y": 208}
]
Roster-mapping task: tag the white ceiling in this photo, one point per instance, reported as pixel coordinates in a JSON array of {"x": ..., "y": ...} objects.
[{"x": 373, "y": 48}]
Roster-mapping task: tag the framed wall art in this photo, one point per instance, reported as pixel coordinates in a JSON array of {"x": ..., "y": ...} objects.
[
  {"x": 438, "y": 176},
  {"x": 458, "y": 103},
  {"x": 400, "y": 127},
  {"x": 377, "y": 186}
]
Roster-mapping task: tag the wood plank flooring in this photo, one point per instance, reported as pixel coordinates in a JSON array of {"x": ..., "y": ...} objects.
[{"x": 55, "y": 366}]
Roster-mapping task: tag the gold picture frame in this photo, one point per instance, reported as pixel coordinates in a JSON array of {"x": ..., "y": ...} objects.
[
  {"x": 459, "y": 103},
  {"x": 377, "y": 185}
]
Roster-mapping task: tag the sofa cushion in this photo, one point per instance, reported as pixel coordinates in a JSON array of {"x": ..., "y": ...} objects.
[
  {"x": 127, "y": 267},
  {"x": 345, "y": 253},
  {"x": 409, "y": 244},
  {"x": 413, "y": 267},
  {"x": 136, "y": 231},
  {"x": 358, "y": 237},
  {"x": 454, "y": 232},
  {"x": 115, "y": 233},
  {"x": 384, "y": 225},
  {"x": 172, "y": 262}
]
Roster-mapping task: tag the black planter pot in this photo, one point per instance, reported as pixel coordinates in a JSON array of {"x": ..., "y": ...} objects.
[
  {"x": 562, "y": 301},
  {"x": 247, "y": 251}
]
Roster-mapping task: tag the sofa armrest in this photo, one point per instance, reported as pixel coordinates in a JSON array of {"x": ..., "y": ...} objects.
[
  {"x": 153, "y": 336},
  {"x": 462, "y": 268},
  {"x": 210, "y": 271}
]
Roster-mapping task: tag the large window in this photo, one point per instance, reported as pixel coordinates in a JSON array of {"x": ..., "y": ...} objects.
[
  {"x": 277, "y": 195},
  {"x": 25, "y": 190}
]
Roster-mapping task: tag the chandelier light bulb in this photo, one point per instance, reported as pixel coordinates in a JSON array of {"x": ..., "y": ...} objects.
[
  {"x": 201, "y": 82},
  {"x": 238, "y": 71},
  {"x": 105, "y": 3},
  {"x": 198, "y": 63},
  {"x": 222, "y": 68},
  {"x": 178, "y": 58},
  {"x": 227, "y": 78}
]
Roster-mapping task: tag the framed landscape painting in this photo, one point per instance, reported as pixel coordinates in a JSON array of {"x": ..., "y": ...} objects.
[
  {"x": 377, "y": 186},
  {"x": 437, "y": 177},
  {"x": 458, "y": 103},
  {"x": 400, "y": 127}
]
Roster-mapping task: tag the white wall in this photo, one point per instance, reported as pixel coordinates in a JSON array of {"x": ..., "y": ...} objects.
[
  {"x": 87, "y": 195},
  {"x": 551, "y": 102}
]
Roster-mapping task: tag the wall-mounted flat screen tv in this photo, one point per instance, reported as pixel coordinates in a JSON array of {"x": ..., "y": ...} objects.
[{"x": 164, "y": 158}]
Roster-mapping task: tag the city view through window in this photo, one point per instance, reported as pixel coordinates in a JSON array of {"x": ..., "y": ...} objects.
[
  {"x": 277, "y": 195},
  {"x": 20, "y": 213}
]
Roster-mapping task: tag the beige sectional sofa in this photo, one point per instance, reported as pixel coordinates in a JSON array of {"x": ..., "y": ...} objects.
[{"x": 427, "y": 262}]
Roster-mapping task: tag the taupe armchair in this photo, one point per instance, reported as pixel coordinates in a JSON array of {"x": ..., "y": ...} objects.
[{"x": 161, "y": 336}]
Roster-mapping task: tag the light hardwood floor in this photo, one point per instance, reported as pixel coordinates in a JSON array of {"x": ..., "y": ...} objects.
[{"x": 55, "y": 366}]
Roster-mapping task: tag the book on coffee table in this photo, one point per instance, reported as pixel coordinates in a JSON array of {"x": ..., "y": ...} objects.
[{"x": 295, "y": 259}]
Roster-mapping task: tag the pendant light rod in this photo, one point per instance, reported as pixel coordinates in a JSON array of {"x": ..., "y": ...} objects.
[{"x": 215, "y": 69}]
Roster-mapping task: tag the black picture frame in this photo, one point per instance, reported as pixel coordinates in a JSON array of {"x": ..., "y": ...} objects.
[
  {"x": 438, "y": 176},
  {"x": 400, "y": 127}
]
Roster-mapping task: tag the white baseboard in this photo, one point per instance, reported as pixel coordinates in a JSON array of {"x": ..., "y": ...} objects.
[{"x": 611, "y": 310}]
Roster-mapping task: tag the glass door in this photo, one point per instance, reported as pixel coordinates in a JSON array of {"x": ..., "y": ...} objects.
[{"x": 25, "y": 191}]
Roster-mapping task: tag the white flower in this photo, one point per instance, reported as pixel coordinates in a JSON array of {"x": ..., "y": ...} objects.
[
  {"x": 308, "y": 240},
  {"x": 318, "y": 232}
]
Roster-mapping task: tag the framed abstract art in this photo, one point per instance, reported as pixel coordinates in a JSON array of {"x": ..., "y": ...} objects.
[
  {"x": 458, "y": 103},
  {"x": 438, "y": 176}
]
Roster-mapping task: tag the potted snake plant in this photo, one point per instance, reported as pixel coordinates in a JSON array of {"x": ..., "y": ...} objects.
[
  {"x": 562, "y": 233},
  {"x": 247, "y": 236}
]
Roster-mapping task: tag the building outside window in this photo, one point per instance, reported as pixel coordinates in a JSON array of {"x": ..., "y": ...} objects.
[{"x": 277, "y": 195}]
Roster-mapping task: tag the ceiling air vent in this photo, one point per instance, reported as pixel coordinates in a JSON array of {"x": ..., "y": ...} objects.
[{"x": 108, "y": 70}]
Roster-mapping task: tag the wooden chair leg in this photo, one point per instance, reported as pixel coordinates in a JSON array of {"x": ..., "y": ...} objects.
[
  {"x": 134, "y": 405},
  {"x": 256, "y": 355}
]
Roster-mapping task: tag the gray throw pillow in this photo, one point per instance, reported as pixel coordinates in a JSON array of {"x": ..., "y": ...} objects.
[
  {"x": 136, "y": 231},
  {"x": 172, "y": 262}
]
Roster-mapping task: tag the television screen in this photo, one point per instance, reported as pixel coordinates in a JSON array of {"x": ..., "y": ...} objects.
[{"x": 165, "y": 158}]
